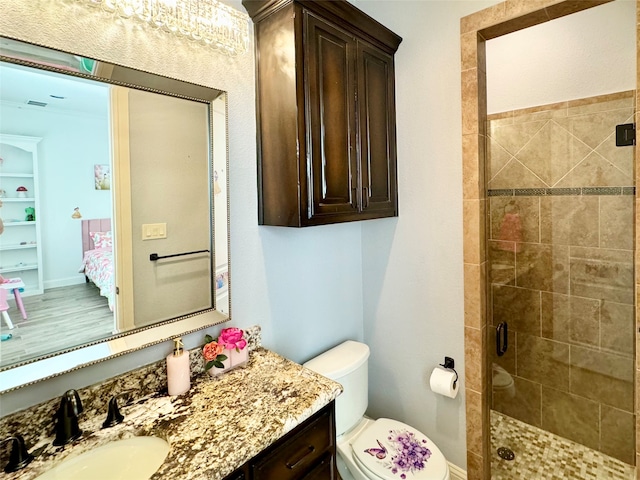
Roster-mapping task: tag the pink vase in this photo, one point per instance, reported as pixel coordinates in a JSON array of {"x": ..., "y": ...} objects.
[
  {"x": 239, "y": 358},
  {"x": 215, "y": 371}
]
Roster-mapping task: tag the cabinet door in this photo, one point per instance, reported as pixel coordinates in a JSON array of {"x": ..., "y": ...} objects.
[
  {"x": 324, "y": 470},
  {"x": 376, "y": 98},
  {"x": 330, "y": 77},
  {"x": 300, "y": 452}
]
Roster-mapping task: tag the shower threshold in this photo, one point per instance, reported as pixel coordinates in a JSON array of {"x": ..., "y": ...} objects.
[{"x": 540, "y": 455}]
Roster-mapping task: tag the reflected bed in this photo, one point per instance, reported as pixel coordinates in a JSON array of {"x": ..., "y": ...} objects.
[{"x": 97, "y": 256}]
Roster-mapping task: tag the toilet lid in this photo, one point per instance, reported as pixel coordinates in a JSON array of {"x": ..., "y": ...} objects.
[{"x": 393, "y": 450}]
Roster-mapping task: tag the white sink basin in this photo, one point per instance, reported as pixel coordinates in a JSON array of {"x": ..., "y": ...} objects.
[{"x": 134, "y": 458}]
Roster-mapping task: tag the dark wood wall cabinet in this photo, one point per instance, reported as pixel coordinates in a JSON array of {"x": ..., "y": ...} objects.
[
  {"x": 326, "y": 113},
  {"x": 307, "y": 452}
]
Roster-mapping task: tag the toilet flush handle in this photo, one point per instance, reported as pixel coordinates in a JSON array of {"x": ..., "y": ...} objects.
[{"x": 502, "y": 338}]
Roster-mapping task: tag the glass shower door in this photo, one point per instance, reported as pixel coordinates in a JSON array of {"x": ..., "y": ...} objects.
[{"x": 561, "y": 250}]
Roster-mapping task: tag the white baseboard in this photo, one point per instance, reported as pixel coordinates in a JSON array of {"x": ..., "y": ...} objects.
[
  {"x": 457, "y": 473},
  {"x": 64, "y": 282}
]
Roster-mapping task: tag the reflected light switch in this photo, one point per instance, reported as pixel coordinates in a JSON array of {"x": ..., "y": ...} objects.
[{"x": 153, "y": 231}]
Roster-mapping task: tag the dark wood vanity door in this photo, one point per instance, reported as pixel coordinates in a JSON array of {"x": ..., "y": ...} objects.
[
  {"x": 300, "y": 453},
  {"x": 376, "y": 97},
  {"x": 324, "y": 470},
  {"x": 330, "y": 79},
  {"x": 307, "y": 452}
]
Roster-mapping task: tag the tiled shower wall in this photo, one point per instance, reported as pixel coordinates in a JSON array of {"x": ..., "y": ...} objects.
[{"x": 561, "y": 239}]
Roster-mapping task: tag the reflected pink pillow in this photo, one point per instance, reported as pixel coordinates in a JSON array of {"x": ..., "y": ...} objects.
[{"x": 102, "y": 239}]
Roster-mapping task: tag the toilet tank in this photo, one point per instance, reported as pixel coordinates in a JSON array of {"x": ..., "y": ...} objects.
[{"x": 347, "y": 365}]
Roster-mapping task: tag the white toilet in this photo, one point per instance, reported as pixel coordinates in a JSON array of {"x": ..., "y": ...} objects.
[
  {"x": 382, "y": 449},
  {"x": 502, "y": 382}
]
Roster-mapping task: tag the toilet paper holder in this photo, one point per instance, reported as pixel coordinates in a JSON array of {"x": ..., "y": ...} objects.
[{"x": 449, "y": 364}]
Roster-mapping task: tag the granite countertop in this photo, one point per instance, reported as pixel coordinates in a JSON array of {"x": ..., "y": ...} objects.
[{"x": 220, "y": 424}]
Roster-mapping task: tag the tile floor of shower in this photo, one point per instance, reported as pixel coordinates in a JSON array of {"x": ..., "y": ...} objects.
[{"x": 540, "y": 455}]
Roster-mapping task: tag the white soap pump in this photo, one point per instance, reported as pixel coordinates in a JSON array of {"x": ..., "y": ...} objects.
[{"x": 178, "y": 369}]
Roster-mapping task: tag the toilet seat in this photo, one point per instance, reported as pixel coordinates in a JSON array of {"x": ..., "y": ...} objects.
[{"x": 387, "y": 449}]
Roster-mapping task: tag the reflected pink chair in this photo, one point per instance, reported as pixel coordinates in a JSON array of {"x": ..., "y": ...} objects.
[
  {"x": 14, "y": 285},
  {"x": 4, "y": 307}
]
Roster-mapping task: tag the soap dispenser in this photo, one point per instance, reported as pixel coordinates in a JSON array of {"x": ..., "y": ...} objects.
[{"x": 178, "y": 369}]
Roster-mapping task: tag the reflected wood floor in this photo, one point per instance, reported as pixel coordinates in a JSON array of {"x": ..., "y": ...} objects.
[{"x": 60, "y": 318}]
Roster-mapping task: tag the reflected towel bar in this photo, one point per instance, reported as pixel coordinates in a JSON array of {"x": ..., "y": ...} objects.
[{"x": 154, "y": 256}]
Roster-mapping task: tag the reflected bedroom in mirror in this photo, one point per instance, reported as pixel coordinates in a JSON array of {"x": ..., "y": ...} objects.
[{"x": 114, "y": 209}]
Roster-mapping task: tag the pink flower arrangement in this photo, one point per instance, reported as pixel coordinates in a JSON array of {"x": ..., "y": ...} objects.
[
  {"x": 212, "y": 353},
  {"x": 229, "y": 339},
  {"x": 232, "y": 339}
]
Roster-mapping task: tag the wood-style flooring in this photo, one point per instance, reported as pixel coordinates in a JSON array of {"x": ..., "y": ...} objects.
[{"x": 59, "y": 319}]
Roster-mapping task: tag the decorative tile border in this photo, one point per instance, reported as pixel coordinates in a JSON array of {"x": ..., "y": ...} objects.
[
  {"x": 530, "y": 192},
  {"x": 542, "y": 192}
]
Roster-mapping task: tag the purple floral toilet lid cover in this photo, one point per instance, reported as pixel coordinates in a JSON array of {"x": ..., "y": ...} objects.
[{"x": 393, "y": 450}]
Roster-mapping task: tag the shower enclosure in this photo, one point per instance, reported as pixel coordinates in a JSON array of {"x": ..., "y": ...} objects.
[
  {"x": 561, "y": 275},
  {"x": 549, "y": 264}
]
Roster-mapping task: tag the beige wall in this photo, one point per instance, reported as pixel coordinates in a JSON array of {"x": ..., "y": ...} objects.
[{"x": 169, "y": 146}]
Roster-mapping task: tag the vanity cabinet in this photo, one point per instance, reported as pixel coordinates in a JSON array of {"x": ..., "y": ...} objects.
[
  {"x": 20, "y": 244},
  {"x": 326, "y": 113},
  {"x": 308, "y": 452}
]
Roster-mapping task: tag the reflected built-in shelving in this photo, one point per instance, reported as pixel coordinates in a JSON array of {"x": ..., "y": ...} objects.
[{"x": 20, "y": 252}]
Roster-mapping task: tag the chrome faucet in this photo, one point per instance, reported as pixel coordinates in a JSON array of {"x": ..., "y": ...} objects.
[{"x": 66, "y": 418}]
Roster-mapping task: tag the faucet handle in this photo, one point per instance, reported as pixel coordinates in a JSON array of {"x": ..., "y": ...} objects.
[
  {"x": 66, "y": 418},
  {"x": 71, "y": 400},
  {"x": 114, "y": 417},
  {"x": 19, "y": 456}
]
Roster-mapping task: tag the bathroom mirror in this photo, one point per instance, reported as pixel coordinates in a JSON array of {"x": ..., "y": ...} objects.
[{"x": 113, "y": 183}]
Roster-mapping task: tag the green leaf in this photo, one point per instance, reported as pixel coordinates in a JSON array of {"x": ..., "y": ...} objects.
[
  {"x": 209, "y": 364},
  {"x": 221, "y": 357},
  {"x": 218, "y": 364},
  {"x": 208, "y": 338}
]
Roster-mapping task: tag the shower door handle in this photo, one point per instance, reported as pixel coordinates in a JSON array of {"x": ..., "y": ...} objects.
[{"x": 502, "y": 338}]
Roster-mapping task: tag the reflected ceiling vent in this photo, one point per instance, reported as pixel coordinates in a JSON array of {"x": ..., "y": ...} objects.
[{"x": 36, "y": 103}]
